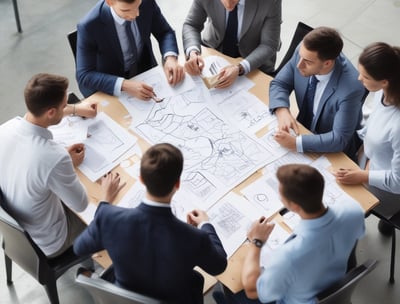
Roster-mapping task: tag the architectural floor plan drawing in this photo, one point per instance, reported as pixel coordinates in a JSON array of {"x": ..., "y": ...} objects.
[{"x": 217, "y": 155}]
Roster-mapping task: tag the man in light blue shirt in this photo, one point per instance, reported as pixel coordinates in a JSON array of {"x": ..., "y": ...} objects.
[{"x": 315, "y": 256}]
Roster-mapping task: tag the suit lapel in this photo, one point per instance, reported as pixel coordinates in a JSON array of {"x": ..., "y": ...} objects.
[
  {"x": 250, "y": 9},
  {"x": 221, "y": 16},
  {"x": 111, "y": 33},
  {"x": 328, "y": 92}
]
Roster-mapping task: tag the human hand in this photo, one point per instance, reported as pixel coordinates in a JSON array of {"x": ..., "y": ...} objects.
[
  {"x": 110, "y": 186},
  {"x": 173, "y": 70},
  {"x": 137, "y": 89},
  {"x": 286, "y": 121},
  {"x": 285, "y": 139},
  {"x": 260, "y": 229},
  {"x": 196, "y": 217},
  {"x": 86, "y": 109},
  {"x": 77, "y": 153},
  {"x": 195, "y": 64},
  {"x": 351, "y": 176},
  {"x": 227, "y": 76}
]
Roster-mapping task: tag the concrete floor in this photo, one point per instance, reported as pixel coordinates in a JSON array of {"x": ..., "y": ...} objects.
[{"x": 43, "y": 47}]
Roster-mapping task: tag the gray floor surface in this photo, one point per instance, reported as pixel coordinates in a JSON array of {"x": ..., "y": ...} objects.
[{"x": 43, "y": 47}]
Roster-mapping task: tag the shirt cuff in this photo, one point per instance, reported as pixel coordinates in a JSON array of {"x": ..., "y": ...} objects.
[
  {"x": 202, "y": 224},
  {"x": 118, "y": 86},
  {"x": 246, "y": 66},
  {"x": 170, "y": 54},
  {"x": 376, "y": 177},
  {"x": 299, "y": 144},
  {"x": 192, "y": 48}
]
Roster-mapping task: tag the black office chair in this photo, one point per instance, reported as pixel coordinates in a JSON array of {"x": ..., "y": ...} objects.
[
  {"x": 104, "y": 292},
  {"x": 72, "y": 38},
  {"x": 301, "y": 30},
  {"x": 20, "y": 248},
  {"x": 394, "y": 222},
  {"x": 340, "y": 292}
]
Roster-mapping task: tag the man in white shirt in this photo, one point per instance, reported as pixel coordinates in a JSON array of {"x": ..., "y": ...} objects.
[{"x": 38, "y": 179}]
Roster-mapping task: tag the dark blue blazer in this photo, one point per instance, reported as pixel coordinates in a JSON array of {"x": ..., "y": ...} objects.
[
  {"x": 99, "y": 58},
  {"x": 153, "y": 252},
  {"x": 339, "y": 113}
]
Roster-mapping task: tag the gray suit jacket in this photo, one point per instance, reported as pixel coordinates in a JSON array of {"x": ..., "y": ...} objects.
[
  {"x": 339, "y": 111},
  {"x": 259, "y": 38}
]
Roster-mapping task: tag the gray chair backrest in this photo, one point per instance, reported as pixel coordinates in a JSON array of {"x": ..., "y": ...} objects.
[
  {"x": 340, "y": 292},
  {"x": 17, "y": 244},
  {"x": 105, "y": 292}
]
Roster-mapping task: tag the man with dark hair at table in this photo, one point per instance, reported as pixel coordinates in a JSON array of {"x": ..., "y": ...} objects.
[
  {"x": 153, "y": 252},
  {"x": 37, "y": 178},
  {"x": 238, "y": 28},
  {"x": 114, "y": 45},
  {"x": 328, "y": 95},
  {"x": 314, "y": 256}
]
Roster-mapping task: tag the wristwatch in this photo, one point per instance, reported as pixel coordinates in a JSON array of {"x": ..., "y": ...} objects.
[
  {"x": 241, "y": 69},
  {"x": 257, "y": 242}
]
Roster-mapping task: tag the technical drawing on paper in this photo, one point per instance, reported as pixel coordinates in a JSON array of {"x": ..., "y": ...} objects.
[
  {"x": 228, "y": 219},
  {"x": 246, "y": 111},
  {"x": 102, "y": 137},
  {"x": 221, "y": 153},
  {"x": 263, "y": 194}
]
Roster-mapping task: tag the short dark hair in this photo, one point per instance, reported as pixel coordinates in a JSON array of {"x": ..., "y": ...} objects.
[
  {"x": 382, "y": 62},
  {"x": 161, "y": 168},
  {"x": 325, "y": 41},
  {"x": 303, "y": 185},
  {"x": 44, "y": 91}
]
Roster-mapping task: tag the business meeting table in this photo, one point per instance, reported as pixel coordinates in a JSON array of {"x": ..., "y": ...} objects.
[{"x": 231, "y": 277}]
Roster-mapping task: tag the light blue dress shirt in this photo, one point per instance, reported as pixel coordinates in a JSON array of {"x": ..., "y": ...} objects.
[{"x": 315, "y": 258}]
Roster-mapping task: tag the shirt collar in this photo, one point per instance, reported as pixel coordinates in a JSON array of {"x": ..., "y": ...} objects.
[
  {"x": 324, "y": 78},
  {"x": 148, "y": 202},
  {"x": 117, "y": 18}
]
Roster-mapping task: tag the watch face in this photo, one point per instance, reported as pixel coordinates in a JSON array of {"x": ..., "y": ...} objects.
[{"x": 258, "y": 243}]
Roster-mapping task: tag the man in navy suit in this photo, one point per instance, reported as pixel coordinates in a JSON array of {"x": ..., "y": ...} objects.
[
  {"x": 114, "y": 45},
  {"x": 336, "y": 106},
  {"x": 153, "y": 252}
]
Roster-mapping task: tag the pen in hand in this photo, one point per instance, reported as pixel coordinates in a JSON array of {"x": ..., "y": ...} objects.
[{"x": 156, "y": 99}]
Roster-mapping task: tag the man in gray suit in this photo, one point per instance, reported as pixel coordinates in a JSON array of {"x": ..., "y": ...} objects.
[
  {"x": 256, "y": 35},
  {"x": 333, "y": 112}
]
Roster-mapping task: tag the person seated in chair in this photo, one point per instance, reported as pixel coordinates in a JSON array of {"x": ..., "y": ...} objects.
[
  {"x": 238, "y": 28},
  {"x": 114, "y": 45},
  {"x": 328, "y": 95},
  {"x": 379, "y": 67},
  {"x": 38, "y": 179},
  {"x": 153, "y": 252},
  {"x": 314, "y": 257}
]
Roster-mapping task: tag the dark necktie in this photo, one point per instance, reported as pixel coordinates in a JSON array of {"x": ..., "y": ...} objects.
[
  {"x": 230, "y": 43},
  {"x": 306, "y": 114},
  {"x": 132, "y": 49}
]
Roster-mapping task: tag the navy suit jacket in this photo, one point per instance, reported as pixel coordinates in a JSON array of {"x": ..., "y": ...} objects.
[
  {"x": 99, "y": 58},
  {"x": 153, "y": 252},
  {"x": 339, "y": 112}
]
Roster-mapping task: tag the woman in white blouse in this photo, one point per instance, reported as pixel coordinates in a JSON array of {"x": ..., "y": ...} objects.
[{"x": 379, "y": 68}]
